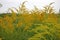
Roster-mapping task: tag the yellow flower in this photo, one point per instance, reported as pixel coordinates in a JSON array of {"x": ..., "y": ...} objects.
[{"x": 19, "y": 24}]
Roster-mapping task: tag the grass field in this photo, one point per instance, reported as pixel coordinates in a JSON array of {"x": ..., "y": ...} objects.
[{"x": 30, "y": 25}]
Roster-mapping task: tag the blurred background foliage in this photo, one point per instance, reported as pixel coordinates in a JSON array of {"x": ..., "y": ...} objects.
[{"x": 30, "y": 25}]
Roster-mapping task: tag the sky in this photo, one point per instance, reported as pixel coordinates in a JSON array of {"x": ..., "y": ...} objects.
[{"x": 30, "y": 4}]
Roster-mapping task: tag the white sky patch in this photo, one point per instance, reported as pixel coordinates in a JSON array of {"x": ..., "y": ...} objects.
[{"x": 30, "y": 4}]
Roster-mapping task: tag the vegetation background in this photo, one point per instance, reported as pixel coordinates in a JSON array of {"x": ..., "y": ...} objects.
[{"x": 30, "y": 25}]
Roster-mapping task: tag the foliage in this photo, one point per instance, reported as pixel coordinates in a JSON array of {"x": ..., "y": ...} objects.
[
  {"x": 0, "y": 5},
  {"x": 30, "y": 25}
]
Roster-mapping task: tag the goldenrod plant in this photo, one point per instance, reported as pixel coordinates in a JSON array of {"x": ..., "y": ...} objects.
[{"x": 30, "y": 25}]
